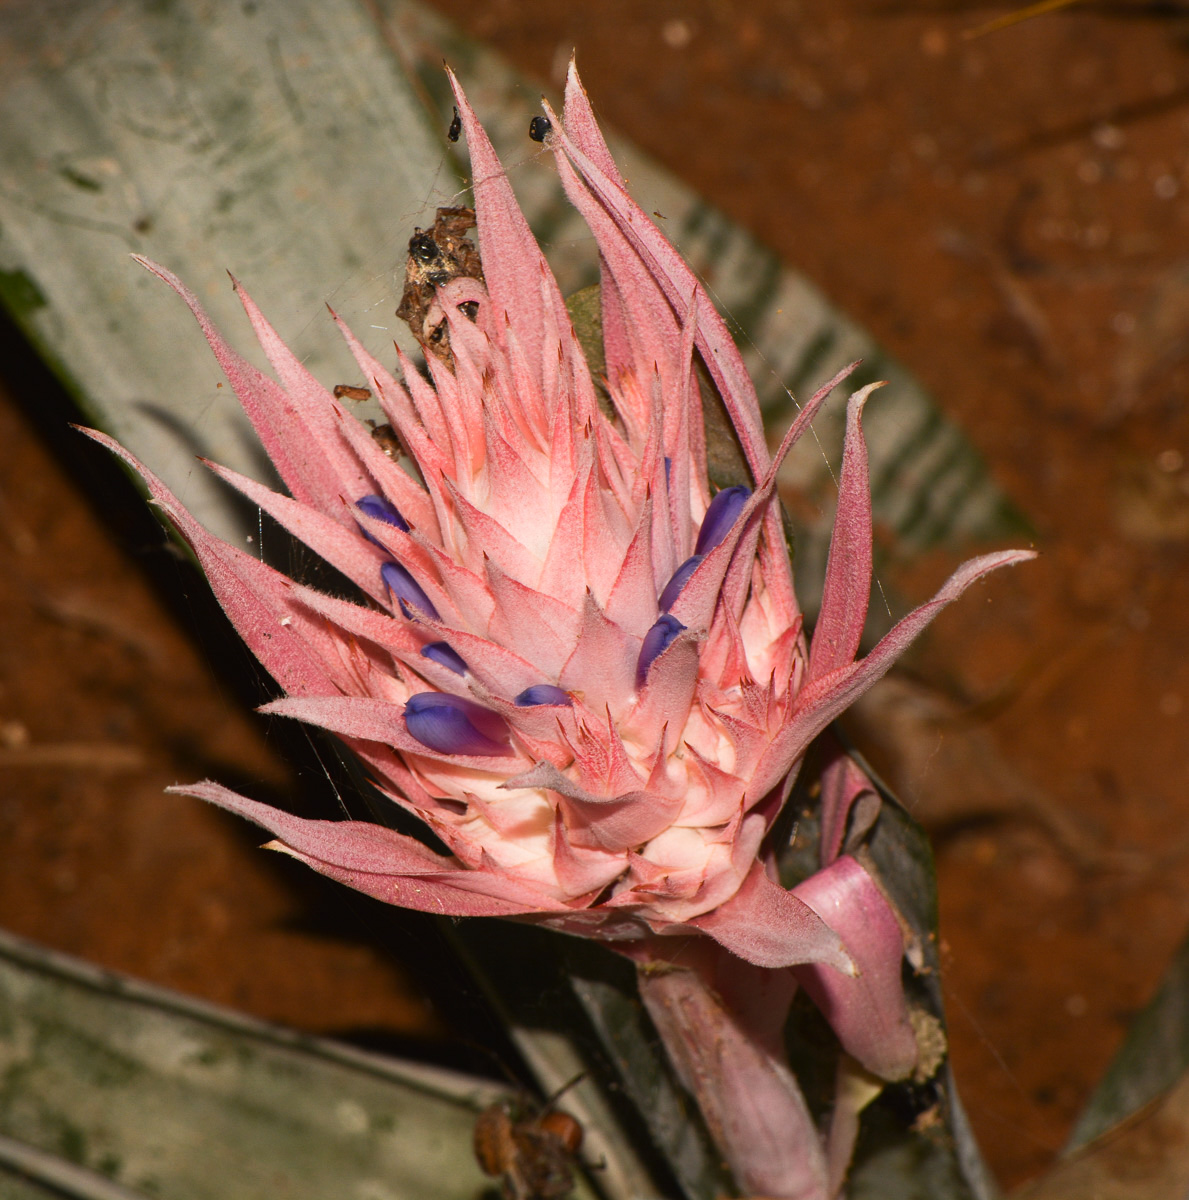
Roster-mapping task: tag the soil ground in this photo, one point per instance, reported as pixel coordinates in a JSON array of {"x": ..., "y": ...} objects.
[{"x": 1010, "y": 216}]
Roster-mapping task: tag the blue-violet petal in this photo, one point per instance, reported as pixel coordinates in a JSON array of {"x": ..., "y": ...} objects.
[
  {"x": 446, "y": 655},
  {"x": 542, "y": 693},
  {"x": 452, "y": 725},
  {"x": 407, "y": 590},
  {"x": 382, "y": 510},
  {"x": 723, "y": 512},
  {"x": 679, "y": 580},
  {"x": 656, "y": 641}
]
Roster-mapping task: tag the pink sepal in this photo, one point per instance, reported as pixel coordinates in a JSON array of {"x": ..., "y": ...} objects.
[
  {"x": 827, "y": 697},
  {"x": 843, "y": 782},
  {"x": 259, "y": 600},
  {"x": 289, "y": 439},
  {"x": 676, "y": 280},
  {"x": 695, "y": 606},
  {"x": 316, "y": 406},
  {"x": 610, "y": 823},
  {"x": 373, "y": 721},
  {"x": 631, "y": 603},
  {"x": 848, "y": 569},
  {"x": 381, "y": 862},
  {"x": 342, "y": 546},
  {"x": 602, "y": 665},
  {"x": 515, "y": 269},
  {"x": 769, "y": 926},
  {"x": 517, "y": 607}
]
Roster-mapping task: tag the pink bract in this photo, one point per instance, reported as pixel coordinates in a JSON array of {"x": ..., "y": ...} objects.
[{"x": 589, "y": 760}]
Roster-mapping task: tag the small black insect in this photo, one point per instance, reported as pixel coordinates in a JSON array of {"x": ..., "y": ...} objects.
[
  {"x": 423, "y": 249},
  {"x": 428, "y": 254},
  {"x": 455, "y": 127},
  {"x": 539, "y": 127}
]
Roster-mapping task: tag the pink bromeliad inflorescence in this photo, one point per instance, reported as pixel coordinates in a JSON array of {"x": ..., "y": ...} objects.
[{"x": 583, "y": 671}]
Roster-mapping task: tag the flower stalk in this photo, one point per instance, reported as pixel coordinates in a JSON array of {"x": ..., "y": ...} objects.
[{"x": 722, "y": 1024}]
